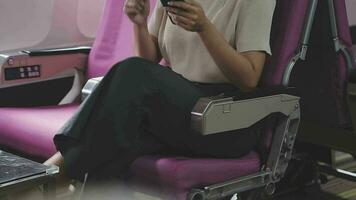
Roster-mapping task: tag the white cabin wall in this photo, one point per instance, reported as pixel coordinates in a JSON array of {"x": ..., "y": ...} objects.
[
  {"x": 34, "y": 24},
  {"x": 24, "y": 23},
  {"x": 88, "y": 17}
]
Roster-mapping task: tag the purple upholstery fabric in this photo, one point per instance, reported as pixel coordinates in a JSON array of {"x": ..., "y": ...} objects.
[
  {"x": 320, "y": 79},
  {"x": 340, "y": 80},
  {"x": 177, "y": 175},
  {"x": 285, "y": 36},
  {"x": 114, "y": 41},
  {"x": 343, "y": 22},
  {"x": 31, "y": 130}
]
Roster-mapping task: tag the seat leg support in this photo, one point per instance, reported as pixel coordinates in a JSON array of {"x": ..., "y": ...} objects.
[{"x": 230, "y": 187}]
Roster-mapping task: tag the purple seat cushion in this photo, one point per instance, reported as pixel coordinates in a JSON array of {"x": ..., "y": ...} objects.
[
  {"x": 177, "y": 175},
  {"x": 31, "y": 130}
]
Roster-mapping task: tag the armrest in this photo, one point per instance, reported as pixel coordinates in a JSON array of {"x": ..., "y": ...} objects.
[
  {"x": 265, "y": 91},
  {"x": 58, "y": 51},
  {"x": 221, "y": 113},
  {"x": 89, "y": 86}
]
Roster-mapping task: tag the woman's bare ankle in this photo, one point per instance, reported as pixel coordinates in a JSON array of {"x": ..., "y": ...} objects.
[{"x": 56, "y": 159}]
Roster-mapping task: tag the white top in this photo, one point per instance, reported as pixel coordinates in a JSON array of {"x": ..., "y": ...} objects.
[{"x": 245, "y": 24}]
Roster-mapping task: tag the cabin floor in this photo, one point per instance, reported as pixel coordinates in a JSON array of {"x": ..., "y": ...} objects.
[{"x": 333, "y": 189}]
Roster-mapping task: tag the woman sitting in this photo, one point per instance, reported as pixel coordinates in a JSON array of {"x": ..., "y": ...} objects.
[{"x": 141, "y": 107}]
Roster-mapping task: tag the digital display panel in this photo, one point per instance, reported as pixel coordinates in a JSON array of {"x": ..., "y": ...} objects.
[{"x": 14, "y": 73}]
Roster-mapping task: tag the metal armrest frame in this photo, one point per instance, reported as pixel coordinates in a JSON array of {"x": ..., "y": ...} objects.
[
  {"x": 89, "y": 86},
  {"x": 219, "y": 114},
  {"x": 279, "y": 156}
]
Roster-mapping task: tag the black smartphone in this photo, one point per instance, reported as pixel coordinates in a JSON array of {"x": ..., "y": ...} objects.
[{"x": 165, "y": 2}]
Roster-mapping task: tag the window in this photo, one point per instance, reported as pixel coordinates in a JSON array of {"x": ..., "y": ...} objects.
[
  {"x": 34, "y": 24},
  {"x": 24, "y": 23}
]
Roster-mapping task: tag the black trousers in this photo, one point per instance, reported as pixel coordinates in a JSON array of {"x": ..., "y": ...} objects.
[{"x": 142, "y": 108}]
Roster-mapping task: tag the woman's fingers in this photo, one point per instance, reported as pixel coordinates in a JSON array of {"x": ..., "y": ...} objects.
[
  {"x": 188, "y": 14},
  {"x": 131, "y": 10},
  {"x": 183, "y": 20},
  {"x": 141, "y": 2},
  {"x": 134, "y": 6},
  {"x": 137, "y": 10},
  {"x": 192, "y": 2},
  {"x": 185, "y": 23},
  {"x": 181, "y": 12},
  {"x": 183, "y": 5}
]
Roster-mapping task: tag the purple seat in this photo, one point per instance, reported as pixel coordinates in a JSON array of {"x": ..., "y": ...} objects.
[
  {"x": 174, "y": 175},
  {"x": 31, "y": 130},
  {"x": 326, "y": 111},
  {"x": 328, "y": 102}
]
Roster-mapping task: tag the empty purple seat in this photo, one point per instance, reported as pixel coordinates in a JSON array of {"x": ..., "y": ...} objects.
[
  {"x": 31, "y": 130},
  {"x": 327, "y": 116},
  {"x": 327, "y": 87}
]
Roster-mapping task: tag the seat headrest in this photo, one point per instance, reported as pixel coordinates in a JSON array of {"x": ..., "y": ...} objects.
[{"x": 113, "y": 41}]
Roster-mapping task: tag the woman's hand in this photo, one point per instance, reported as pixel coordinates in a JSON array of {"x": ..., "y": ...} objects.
[
  {"x": 137, "y": 11},
  {"x": 188, "y": 14}
]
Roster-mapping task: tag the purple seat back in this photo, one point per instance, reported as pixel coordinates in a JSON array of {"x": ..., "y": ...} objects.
[
  {"x": 287, "y": 29},
  {"x": 321, "y": 79},
  {"x": 343, "y": 22},
  {"x": 341, "y": 80},
  {"x": 114, "y": 41}
]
